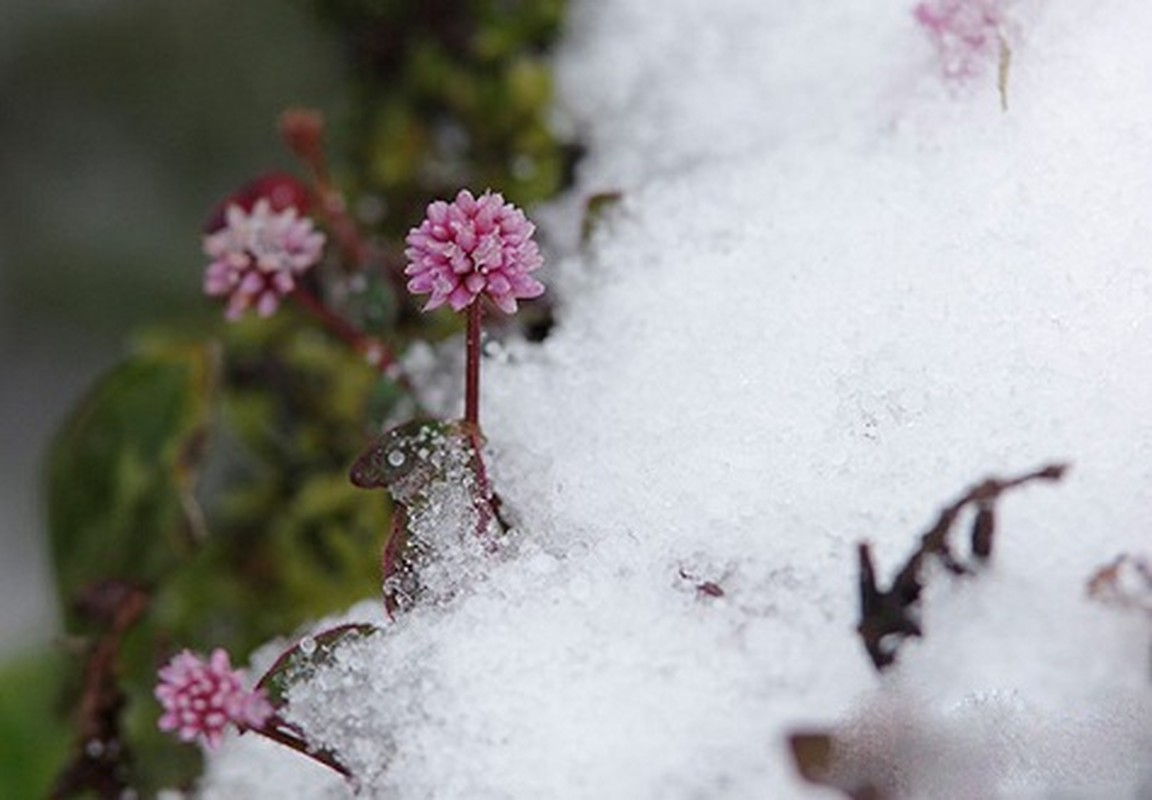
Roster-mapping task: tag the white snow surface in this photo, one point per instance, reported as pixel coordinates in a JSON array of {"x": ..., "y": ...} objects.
[{"x": 837, "y": 292}]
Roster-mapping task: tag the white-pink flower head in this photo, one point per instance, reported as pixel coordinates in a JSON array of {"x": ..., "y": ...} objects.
[
  {"x": 966, "y": 33},
  {"x": 257, "y": 256},
  {"x": 202, "y": 698},
  {"x": 473, "y": 246}
]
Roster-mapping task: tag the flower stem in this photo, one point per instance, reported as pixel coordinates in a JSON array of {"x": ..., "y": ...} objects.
[
  {"x": 472, "y": 369},
  {"x": 280, "y": 732},
  {"x": 303, "y": 132},
  {"x": 472, "y": 418},
  {"x": 484, "y": 499},
  {"x": 357, "y": 251},
  {"x": 375, "y": 351}
]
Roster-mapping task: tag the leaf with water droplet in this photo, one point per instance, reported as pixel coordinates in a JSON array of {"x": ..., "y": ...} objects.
[
  {"x": 123, "y": 470},
  {"x": 300, "y": 660},
  {"x": 436, "y": 477},
  {"x": 408, "y": 458}
]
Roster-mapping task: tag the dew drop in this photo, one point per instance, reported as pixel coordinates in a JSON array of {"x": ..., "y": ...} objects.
[
  {"x": 307, "y": 645},
  {"x": 395, "y": 458}
]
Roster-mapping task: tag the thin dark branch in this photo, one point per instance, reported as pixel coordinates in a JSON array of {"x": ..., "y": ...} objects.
[{"x": 889, "y": 617}]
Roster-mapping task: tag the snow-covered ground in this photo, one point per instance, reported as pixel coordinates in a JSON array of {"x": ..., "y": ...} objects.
[{"x": 838, "y": 290}]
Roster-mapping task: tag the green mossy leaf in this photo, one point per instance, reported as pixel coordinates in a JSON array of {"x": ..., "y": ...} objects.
[
  {"x": 34, "y": 731},
  {"x": 298, "y": 662},
  {"x": 123, "y": 471},
  {"x": 450, "y": 94}
]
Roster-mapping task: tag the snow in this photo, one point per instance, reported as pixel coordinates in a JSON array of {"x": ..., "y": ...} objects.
[{"x": 838, "y": 290}]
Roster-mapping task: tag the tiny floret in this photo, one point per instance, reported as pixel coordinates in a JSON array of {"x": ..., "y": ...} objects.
[
  {"x": 257, "y": 256},
  {"x": 473, "y": 246},
  {"x": 966, "y": 33},
  {"x": 201, "y": 698}
]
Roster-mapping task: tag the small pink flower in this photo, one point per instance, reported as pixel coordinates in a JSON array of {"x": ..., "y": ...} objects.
[
  {"x": 473, "y": 246},
  {"x": 201, "y": 698},
  {"x": 966, "y": 33},
  {"x": 257, "y": 256}
]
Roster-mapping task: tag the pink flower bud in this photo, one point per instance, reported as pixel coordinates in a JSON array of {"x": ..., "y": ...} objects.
[
  {"x": 966, "y": 33},
  {"x": 473, "y": 246},
  {"x": 202, "y": 698},
  {"x": 257, "y": 256}
]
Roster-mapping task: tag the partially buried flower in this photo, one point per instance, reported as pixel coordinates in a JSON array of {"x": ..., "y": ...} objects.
[
  {"x": 966, "y": 33},
  {"x": 473, "y": 246},
  {"x": 257, "y": 256},
  {"x": 202, "y": 698}
]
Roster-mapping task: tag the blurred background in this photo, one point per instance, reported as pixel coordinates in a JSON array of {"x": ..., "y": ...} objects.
[{"x": 122, "y": 122}]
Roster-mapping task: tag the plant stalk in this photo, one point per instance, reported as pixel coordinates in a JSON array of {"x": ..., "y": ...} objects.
[
  {"x": 377, "y": 353},
  {"x": 276, "y": 731},
  {"x": 472, "y": 369}
]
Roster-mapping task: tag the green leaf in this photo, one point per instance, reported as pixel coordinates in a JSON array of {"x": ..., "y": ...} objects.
[
  {"x": 300, "y": 661},
  {"x": 123, "y": 471},
  {"x": 435, "y": 474},
  {"x": 34, "y": 733}
]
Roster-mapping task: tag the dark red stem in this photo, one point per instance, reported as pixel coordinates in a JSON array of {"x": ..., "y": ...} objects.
[
  {"x": 273, "y": 730},
  {"x": 484, "y": 498},
  {"x": 303, "y": 131},
  {"x": 343, "y": 228},
  {"x": 472, "y": 414},
  {"x": 370, "y": 347},
  {"x": 472, "y": 369}
]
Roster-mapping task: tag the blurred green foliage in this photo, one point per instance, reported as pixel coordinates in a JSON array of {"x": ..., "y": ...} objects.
[
  {"x": 210, "y": 467},
  {"x": 120, "y": 481},
  {"x": 213, "y": 473},
  {"x": 34, "y": 733},
  {"x": 449, "y": 93}
]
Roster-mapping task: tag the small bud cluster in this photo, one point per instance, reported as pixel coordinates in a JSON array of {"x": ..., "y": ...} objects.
[{"x": 201, "y": 698}]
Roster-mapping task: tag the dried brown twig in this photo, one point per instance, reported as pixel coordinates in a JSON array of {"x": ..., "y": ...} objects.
[
  {"x": 1125, "y": 582},
  {"x": 889, "y": 617},
  {"x": 867, "y": 768}
]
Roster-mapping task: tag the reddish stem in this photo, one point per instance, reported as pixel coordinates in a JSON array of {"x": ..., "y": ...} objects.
[
  {"x": 358, "y": 252},
  {"x": 472, "y": 415},
  {"x": 484, "y": 498},
  {"x": 276, "y": 730},
  {"x": 472, "y": 369},
  {"x": 370, "y": 347},
  {"x": 303, "y": 132},
  {"x": 347, "y": 234}
]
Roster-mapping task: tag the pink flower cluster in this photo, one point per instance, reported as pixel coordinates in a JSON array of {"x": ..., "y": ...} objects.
[
  {"x": 257, "y": 256},
  {"x": 966, "y": 33},
  {"x": 202, "y": 698},
  {"x": 473, "y": 246}
]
